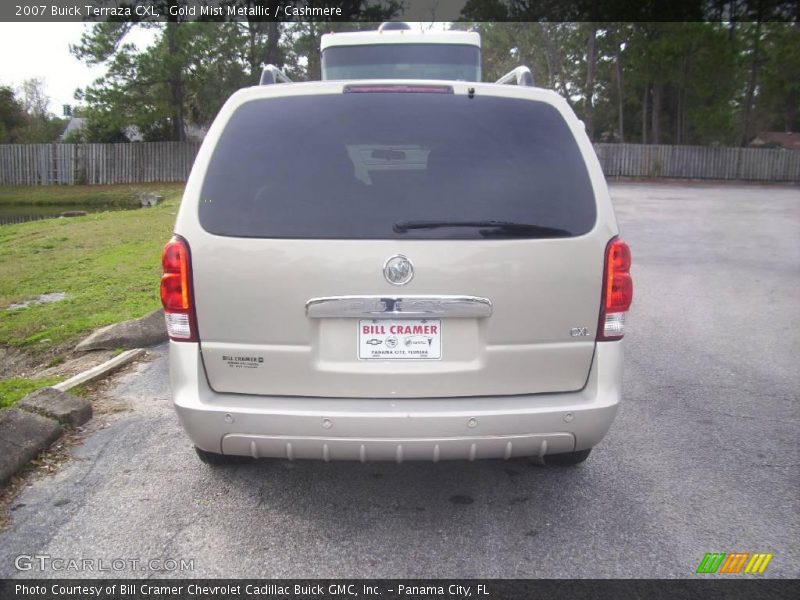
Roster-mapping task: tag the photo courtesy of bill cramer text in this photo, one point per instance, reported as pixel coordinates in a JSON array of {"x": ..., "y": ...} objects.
[
  {"x": 389, "y": 589},
  {"x": 133, "y": 589}
]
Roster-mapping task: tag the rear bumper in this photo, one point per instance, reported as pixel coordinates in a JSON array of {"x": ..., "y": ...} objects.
[{"x": 395, "y": 429}]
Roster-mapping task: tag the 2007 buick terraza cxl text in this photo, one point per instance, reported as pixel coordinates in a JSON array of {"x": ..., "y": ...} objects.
[{"x": 396, "y": 270}]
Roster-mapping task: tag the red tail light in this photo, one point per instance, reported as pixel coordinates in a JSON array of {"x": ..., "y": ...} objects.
[
  {"x": 617, "y": 291},
  {"x": 176, "y": 291}
]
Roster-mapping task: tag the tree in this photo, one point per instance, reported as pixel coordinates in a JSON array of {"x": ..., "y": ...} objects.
[
  {"x": 690, "y": 82},
  {"x": 12, "y": 116},
  {"x": 193, "y": 67},
  {"x": 754, "y": 59},
  {"x": 777, "y": 105},
  {"x": 157, "y": 84},
  {"x": 548, "y": 49},
  {"x": 24, "y": 117},
  {"x": 588, "y": 90},
  {"x": 34, "y": 98},
  {"x": 261, "y": 38},
  {"x": 40, "y": 125},
  {"x": 688, "y": 72},
  {"x": 156, "y": 89}
]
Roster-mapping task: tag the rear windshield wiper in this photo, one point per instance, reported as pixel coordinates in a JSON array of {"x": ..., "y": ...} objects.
[{"x": 488, "y": 228}]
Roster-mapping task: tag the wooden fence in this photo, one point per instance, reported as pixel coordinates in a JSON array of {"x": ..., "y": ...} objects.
[
  {"x": 699, "y": 162},
  {"x": 49, "y": 164}
]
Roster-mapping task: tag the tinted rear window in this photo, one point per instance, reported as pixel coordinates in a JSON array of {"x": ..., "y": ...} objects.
[
  {"x": 402, "y": 61},
  {"x": 353, "y": 165}
]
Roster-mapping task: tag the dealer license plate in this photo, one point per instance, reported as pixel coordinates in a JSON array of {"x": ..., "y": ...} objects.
[{"x": 400, "y": 339}]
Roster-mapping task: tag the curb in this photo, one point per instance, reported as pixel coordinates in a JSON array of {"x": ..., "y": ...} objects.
[
  {"x": 34, "y": 423},
  {"x": 100, "y": 370},
  {"x": 22, "y": 436}
]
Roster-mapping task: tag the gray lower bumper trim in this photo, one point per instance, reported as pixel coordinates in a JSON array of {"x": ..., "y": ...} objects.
[{"x": 397, "y": 450}]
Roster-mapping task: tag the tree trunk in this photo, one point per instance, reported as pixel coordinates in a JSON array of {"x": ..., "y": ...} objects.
[
  {"x": 591, "y": 58},
  {"x": 252, "y": 29},
  {"x": 655, "y": 128},
  {"x": 644, "y": 112},
  {"x": 620, "y": 97},
  {"x": 680, "y": 93},
  {"x": 751, "y": 85},
  {"x": 555, "y": 61},
  {"x": 548, "y": 60},
  {"x": 314, "y": 60},
  {"x": 175, "y": 80},
  {"x": 790, "y": 114},
  {"x": 272, "y": 54}
]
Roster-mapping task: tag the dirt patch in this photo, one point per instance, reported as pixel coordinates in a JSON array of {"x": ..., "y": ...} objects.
[
  {"x": 60, "y": 362},
  {"x": 14, "y": 363},
  {"x": 77, "y": 363}
]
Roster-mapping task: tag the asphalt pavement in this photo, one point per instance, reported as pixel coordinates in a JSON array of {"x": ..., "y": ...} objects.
[{"x": 703, "y": 457}]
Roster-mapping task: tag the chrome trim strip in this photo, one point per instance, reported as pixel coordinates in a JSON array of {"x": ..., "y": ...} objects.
[{"x": 420, "y": 307}]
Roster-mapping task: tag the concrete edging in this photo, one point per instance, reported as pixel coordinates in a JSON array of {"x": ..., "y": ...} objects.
[
  {"x": 34, "y": 423},
  {"x": 100, "y": 370}
]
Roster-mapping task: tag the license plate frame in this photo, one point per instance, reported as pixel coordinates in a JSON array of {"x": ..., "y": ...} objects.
[{"x": 399, "y": 339}]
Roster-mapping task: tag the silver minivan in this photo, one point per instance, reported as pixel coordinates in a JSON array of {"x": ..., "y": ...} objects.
[{"x": 396, "y": 270}]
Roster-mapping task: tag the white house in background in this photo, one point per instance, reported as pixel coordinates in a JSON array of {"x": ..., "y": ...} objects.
[
  {"x": 133, "y": 133},
  {"x": 787, "y": 140},
  {"x": 73, "y": 125},
  {"x": 195, "y": 133}
]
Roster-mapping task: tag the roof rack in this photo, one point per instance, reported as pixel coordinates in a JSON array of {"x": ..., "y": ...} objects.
[
  {"x": 272, "y": 74},
  {"x": 520, "y": 76},
  {"x": 394, "y": 26}
]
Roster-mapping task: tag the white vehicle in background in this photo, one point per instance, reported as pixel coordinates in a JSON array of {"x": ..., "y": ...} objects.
[
  {"x": 395, "y": 51},
  {"x": 396, "y": 268}
]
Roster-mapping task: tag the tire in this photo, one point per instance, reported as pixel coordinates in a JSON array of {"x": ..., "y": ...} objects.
[
  {"x": 214, "y": 459},
  {"x": 567, "y": 459}
]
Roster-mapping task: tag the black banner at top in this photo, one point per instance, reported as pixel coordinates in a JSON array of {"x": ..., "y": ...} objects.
[{"x": 398, "y": 10}]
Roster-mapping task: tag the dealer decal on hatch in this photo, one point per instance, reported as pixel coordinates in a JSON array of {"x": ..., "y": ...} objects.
[
  {"x": 243, "y": 362},
  {"x": 399, "y": 339}
]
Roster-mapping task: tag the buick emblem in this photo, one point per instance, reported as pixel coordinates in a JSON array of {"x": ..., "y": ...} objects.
[{"x": 398, "y": 270}]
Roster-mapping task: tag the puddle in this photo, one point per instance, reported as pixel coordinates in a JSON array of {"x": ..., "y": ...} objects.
[
  {"x": 42, "y": 299},
  {"x": 22, "y": 214}
]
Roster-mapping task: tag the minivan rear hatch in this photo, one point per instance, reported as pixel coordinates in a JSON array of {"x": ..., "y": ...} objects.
[{"x": 404, "y": 241}]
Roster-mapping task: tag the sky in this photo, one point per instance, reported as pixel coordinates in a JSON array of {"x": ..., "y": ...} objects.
[{"x": 42, "y": 50}]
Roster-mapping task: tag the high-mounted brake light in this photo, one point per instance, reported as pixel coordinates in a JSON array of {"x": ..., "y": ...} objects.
[
  {"x": 617, "y": 291},
  {"x": 176, "y": 291},
  {"x": 394, "y": 88}
]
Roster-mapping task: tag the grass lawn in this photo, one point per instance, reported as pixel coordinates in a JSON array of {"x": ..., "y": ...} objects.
[
  {"x": 108, "y": 263},
  {"x": 84, "y": 195},
  {"x": 12, "y": 390}
]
